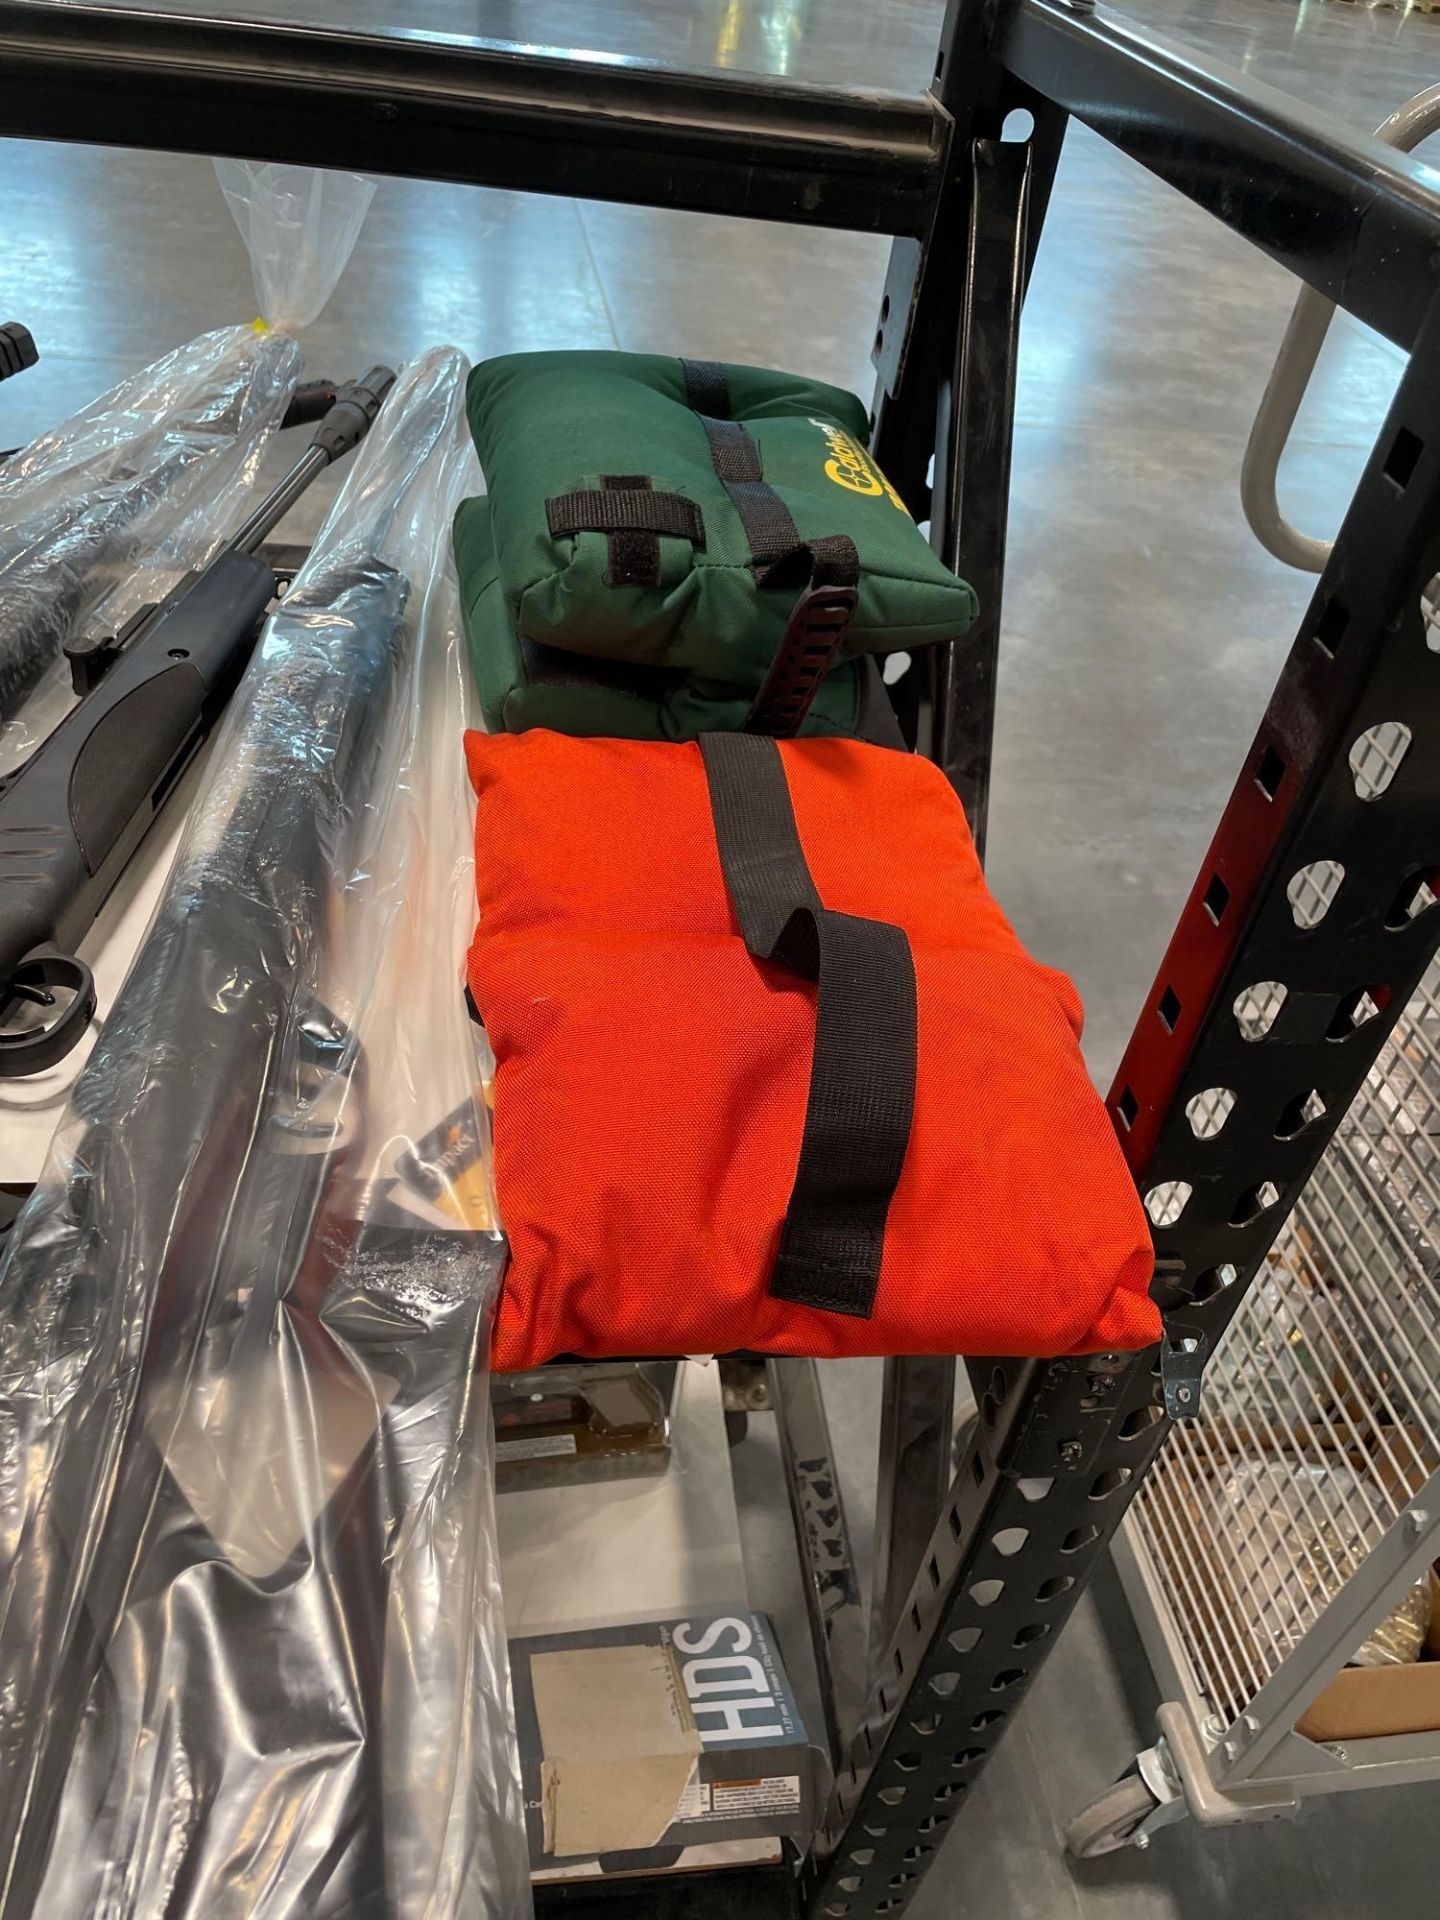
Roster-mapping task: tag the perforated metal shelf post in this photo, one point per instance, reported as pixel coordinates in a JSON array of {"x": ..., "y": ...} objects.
[{"x": 1306, "y": 932}]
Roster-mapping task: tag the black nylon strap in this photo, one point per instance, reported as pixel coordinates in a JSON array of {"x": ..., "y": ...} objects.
[
  {"x": 778, "y": 554},
  {"x": 608, "y": 510},
  {"x": 862, "y": 1074},
  {"x": 633, "y": 556},
  {"x": 707, "y": 387},
  {"x": 634, "y": 515},
  {"x": 770, "y": 530}
]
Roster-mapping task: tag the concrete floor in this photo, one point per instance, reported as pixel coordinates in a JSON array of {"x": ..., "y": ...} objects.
[{"x": 1144, "y": 628}]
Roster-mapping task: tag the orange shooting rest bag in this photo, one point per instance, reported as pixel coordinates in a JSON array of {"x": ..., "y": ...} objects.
[{"x": 773, "y": 1071}]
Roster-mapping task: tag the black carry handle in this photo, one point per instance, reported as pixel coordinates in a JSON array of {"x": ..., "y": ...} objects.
[
  {"x": 813, "y": 636},
  {"x": 74, "y": 813},
  {"x": 862, "y": 1075}
]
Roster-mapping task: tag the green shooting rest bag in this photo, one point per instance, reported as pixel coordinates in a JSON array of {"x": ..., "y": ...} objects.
[
  {"x": 524, "y": 684},
  {"x": 669, "y": 516}
]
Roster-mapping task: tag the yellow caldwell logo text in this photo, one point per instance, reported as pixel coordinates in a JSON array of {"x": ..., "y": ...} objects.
[{"x": 851, "y": 467}]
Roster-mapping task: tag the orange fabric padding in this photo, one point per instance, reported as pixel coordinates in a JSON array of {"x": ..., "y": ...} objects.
[{"x": 651, "y": 1077}]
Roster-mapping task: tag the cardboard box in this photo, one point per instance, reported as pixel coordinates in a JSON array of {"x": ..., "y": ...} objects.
[
  {"x": 638, "y": 1743},
  {"x": 1363, "y": 1703}
]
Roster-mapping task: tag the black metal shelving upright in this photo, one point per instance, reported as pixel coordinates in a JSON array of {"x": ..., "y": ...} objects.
[{"x": 1255, "y": 1015}]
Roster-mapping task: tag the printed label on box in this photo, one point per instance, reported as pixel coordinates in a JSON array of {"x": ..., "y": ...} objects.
[
  {"x": 732, "y": 1799},
  {"x": 694, "y": 1802},
  {"x": 544, "y": 1447}
]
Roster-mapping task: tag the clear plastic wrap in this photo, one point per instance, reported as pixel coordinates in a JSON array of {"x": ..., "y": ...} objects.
[
  {"x": 299, "y": 226},
  {"x": 252, "y": 1659},
  {"x": 109, "y": 509},
  {"x": 112, "y": 508},
  {"x": 1400, "y": 1638}
]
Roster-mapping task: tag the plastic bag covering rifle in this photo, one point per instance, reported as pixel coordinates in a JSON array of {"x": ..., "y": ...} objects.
[
  {"x": 58, "y": 561},
  {"x": 206, "y": 1199},
  {"x": 74, "y": 813}
]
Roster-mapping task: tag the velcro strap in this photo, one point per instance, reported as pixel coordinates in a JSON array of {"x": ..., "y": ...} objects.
[
  {"x": 862, "y": 1076},
  {"x": 627, "y": 509},
  {"x": 707, "y": 387},
  {"x": 779, "y": 556},
  {"x": 734, "y": 452},
  {"x": 834, "y": 561}
]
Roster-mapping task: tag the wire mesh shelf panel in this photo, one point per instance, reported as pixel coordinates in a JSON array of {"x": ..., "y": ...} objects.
[
  {"x": 1375, "y": 757},
  {"x": 1312, "y": 891},
  {"x": 1322, "y": 1402}
]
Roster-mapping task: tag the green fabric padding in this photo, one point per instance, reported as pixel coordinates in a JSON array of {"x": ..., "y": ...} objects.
[
  {"x": 549, "y": 424},
  {"x": 523, "y": 687}
]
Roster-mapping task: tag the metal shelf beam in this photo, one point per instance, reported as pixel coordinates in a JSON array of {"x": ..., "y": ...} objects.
[
  {"x": 487, "y": 113},
  {"x": 1338, "y": 208}
]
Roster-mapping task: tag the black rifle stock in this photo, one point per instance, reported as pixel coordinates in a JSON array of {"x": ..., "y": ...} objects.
[{"x": 73, "y": 815}]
